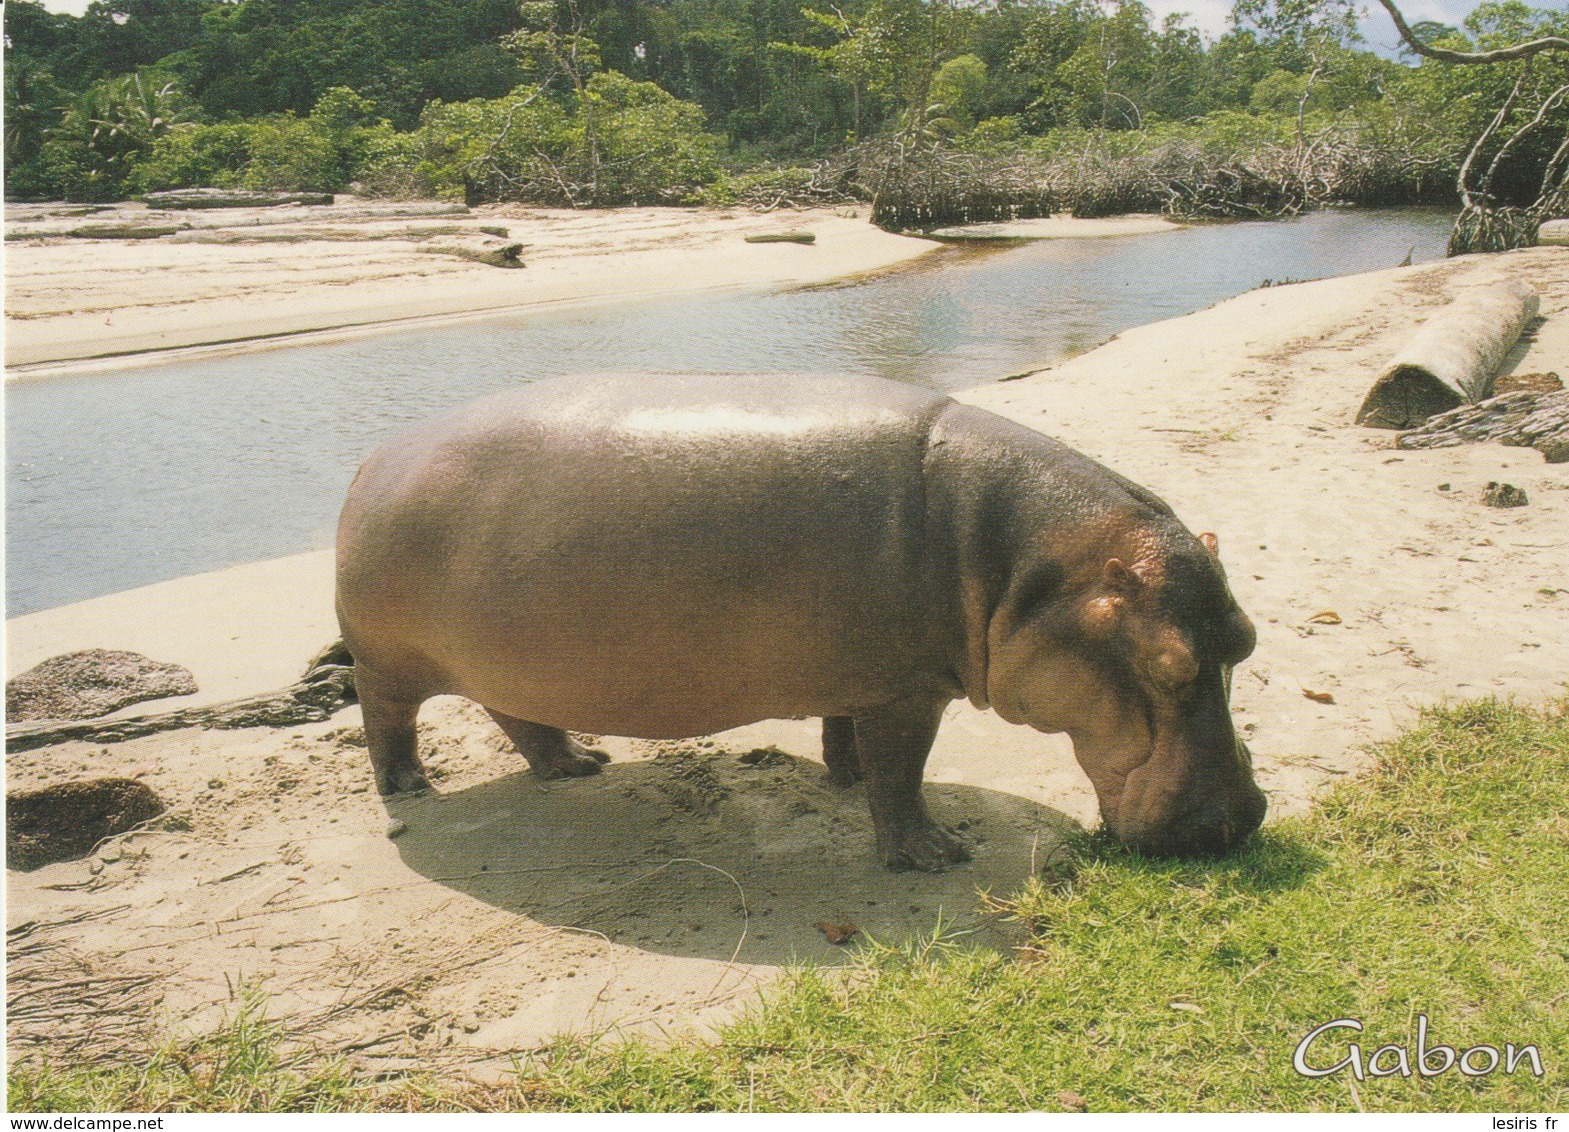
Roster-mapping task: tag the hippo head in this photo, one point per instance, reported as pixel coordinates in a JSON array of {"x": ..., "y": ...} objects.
[{"x": 1132, "y": 658}]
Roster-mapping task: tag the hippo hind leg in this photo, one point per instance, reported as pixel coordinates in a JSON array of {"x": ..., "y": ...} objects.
[
  {"x": 390, "y": 735},
  {"x": 893, "y": 742},
  {"x": 839, "y": 753},
  {"x": 550, "y": 751}
]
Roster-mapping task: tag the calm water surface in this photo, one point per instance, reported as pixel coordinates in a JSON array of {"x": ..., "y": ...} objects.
[{"x": 122, "y": 479}]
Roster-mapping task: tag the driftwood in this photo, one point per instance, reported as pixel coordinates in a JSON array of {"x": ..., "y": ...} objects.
[
  {"x": 783, "y": 238},
  {"x": 231, "y": 198},
  {"x": 125, "y": 231},
  {"x": 1452, "y": 360},
  {"x": 1553, "y": 233},
  {"x": 1522, "y": 420},
  {"x": 328, "y": 684},
  {"x": 278, "y": 234},
  {"x": 481, "y": 249}
]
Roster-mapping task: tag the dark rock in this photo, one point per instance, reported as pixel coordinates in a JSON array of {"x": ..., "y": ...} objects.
[
  {"x": 84, "y": 685},
  {"x": 66, "y": 821},
  {"x": 764, "y": 757},
  {"x": 1503, "y": 495}
]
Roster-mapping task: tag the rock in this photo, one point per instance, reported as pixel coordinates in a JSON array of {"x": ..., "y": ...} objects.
[
  {"x": 1553, "y": 233},
  {"x": 1071, "y": 1101},
  {"x": 396, "y": 827},
  {"x": 1504, "y": 495},
  {"x": 66, "y": 821},
  {"x": 763, "y": 757},
  {"x": 231, "y": 198},
  {"x": 95, "y": 682}
]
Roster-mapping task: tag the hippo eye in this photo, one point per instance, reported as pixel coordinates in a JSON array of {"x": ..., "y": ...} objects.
[{"x": 1174, "y": 668}]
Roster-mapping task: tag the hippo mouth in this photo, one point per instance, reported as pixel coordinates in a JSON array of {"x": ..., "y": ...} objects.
[{"x": 1207, "y": 818}]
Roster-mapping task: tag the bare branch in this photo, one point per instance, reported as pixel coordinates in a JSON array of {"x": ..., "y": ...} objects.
[{"x": 1498, "y": 55}]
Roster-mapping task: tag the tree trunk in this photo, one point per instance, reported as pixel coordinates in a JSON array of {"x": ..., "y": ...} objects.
[
  {"x": 231, "y": 198},
  {"x": 1452, "y": 360}
]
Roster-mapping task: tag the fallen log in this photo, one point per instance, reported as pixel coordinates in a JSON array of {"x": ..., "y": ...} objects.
[
  {"x": 328, "y": 684},
  {"x": 300, "y": 234},
  {"x": 1451, "y": 361},
  {"x": 1524, "y": 419},
  {"x": 125, "y": 231},
  {"x": 1553, "y": 234},
  {"x": 481, "y": 249},
  {"x": 231, "y": 198},
  {"x": 783, "y": 238}
]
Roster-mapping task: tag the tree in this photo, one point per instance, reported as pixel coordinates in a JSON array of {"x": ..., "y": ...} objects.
[{"x": 1531, "y": 116}]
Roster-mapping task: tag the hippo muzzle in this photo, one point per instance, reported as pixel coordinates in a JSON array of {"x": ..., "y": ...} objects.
[{"x": 1195, "y": 796}]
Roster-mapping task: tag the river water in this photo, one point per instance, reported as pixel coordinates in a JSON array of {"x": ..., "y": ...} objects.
[{"x": 117, "y": 480}]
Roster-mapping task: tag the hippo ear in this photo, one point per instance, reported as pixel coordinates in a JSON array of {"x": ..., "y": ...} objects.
[
  {"x": 1120, "y": 580},
  {"x": 1211, "y": 544}
]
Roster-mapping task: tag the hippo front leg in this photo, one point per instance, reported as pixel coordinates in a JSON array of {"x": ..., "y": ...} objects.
[{"x": 893, "y": 742}]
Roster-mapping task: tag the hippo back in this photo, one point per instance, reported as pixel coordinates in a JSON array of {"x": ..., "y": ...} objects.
[{"x": 653, "y": 555}]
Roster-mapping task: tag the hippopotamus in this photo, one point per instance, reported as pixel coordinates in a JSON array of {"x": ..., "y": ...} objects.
[{"x": 664, "y": 556}]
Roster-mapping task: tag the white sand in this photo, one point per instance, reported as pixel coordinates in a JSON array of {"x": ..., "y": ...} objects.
[{"x": 483, "y": 917}]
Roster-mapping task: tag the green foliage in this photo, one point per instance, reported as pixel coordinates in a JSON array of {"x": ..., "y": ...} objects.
[
  {"x": 92, "y": 154},
  {"x": 959, "y": 87},
  {"x": 1433, "y": 884},
  {"x": 785, "y": 83},
  {"x": 618, "y": 142},
  {"x": 317, "y": 153}
]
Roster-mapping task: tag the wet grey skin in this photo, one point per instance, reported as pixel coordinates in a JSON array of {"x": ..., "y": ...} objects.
[{"x": 663, "y": 556}]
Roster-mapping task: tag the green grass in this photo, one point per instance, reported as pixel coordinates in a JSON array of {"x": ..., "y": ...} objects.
[{"x": 1436, "y": 883}]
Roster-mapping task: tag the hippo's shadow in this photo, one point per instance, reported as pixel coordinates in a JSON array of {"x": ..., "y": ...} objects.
[{"x": 680, "y": 853}]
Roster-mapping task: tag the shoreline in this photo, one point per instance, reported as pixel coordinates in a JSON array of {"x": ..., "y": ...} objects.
[
  {"x": 148, "y": 302},
  {"x": 151, "y": 303},
  {"x": 1239, "y": 415}
]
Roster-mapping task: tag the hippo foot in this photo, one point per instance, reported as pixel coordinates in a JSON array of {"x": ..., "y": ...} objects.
[
  {"x": 927, "y": 848},
  {"x": 844, "y": 776},
  {"x": 404, "y": 778},
  {"x": 572, "y": 761}
]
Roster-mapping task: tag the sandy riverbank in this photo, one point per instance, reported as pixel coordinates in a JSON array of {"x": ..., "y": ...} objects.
[
  {"x": 512, "y": 909},
  {"x": 70, "y": 300}
]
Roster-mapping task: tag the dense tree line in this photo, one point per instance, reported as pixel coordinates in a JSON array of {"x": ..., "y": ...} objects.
[{"x": 606, "y": 101}]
